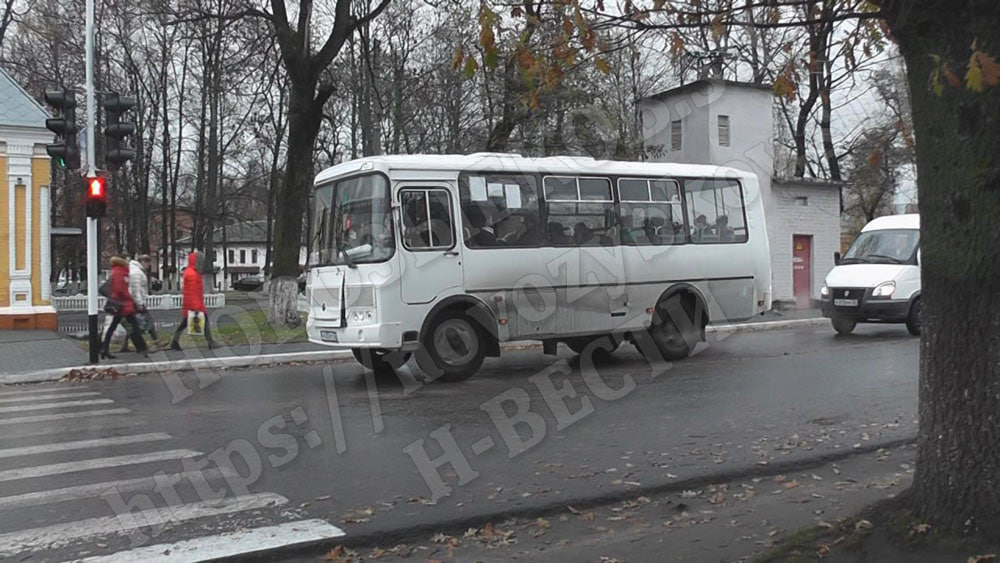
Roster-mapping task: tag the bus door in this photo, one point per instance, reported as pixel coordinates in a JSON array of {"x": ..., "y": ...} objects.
[{"x": 431, "y": 256}]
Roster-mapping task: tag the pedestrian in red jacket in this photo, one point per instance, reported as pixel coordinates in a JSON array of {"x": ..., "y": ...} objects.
[
  {"x": 194, "y": 292},
  {"x": 121, "y": 305}
]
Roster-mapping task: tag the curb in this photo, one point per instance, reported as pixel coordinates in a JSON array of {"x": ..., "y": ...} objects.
[
  {"x": 264, "y": 360},
  {"x": 406, "y": 533}
]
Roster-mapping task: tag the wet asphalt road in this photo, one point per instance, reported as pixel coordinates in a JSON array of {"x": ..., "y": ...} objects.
[{"x": 345, "y": 446}]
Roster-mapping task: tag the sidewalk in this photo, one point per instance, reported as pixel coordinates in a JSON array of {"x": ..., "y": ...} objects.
[{"x": 34, "y": 356}]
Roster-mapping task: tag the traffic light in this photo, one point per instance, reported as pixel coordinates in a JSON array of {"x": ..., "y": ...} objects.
[
  {"x": 118, "y": 152},
  {"x": 65, "y": 153},
  {"x": 97, "y": 196}
]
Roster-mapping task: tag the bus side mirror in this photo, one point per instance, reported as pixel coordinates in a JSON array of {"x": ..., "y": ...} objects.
[
  {"x": 918, "y": 257},
  {"x": 836, "y": 258}
]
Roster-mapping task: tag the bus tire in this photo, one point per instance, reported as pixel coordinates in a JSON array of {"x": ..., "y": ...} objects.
[
  {"x": 377, "y": 359},
  {"x": 843, "y": 325},
  {"x": 579, "y": 344},
  {"x": 675, "y": 329},
  {"x": 454, "y": 348}
]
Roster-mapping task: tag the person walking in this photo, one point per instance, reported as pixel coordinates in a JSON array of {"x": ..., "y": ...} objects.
[
  {"x": 138, "y": 287},
  {"x": 122, "y": 306},
  {"x": 194, "y": 293}
]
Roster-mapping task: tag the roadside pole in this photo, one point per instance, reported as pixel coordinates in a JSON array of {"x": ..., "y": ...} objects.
[{"x": 92, "y": 222}]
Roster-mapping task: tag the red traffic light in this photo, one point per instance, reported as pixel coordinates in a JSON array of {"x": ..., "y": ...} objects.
[
  {"x": 96, "y": 197},
  {"x": 96, "y": 187}
]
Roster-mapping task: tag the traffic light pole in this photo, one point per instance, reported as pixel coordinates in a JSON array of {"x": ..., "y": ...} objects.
[{"x": 92, "y": 222}]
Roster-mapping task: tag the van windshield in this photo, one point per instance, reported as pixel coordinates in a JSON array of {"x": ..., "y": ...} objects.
[
  {"x": 352, "y": 222},
  {"x": 889, "y": 246}
]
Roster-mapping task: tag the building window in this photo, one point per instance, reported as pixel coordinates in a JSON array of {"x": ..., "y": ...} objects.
[
  {"x": 232, "y": 256},
  {"x": 802, "y": 200},
  {"x": 723, "y": 130},
  {"x": 253, "y": 256},
  {"x": 243, "y": 256},
  {"x": 675, "y": 135}
]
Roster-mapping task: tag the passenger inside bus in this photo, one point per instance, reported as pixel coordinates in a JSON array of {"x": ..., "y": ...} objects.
[
  {"x": 557, "y": 233},
  {"x": 483, "y": 233}
]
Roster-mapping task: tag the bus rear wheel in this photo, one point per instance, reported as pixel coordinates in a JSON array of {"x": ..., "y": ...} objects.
[
  {"x": 380, "y": 360},
  {"x": 675, "y": 329},
  {"x": 453, "y": 349}
]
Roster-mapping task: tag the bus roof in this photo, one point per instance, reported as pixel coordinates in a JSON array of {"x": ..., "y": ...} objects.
[
  {"x": 512, "y": 162},
  {"x": 907, "y": 221}
]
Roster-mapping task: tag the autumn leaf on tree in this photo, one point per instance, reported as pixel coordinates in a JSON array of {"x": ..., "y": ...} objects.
[
  {"x": 785, "y": 88},
  {"x": 471, "y": 66},
  {"x": 456, "y": 61},
  {"x": 602, "y": 65},
  {"x": 983, "y": 70}
]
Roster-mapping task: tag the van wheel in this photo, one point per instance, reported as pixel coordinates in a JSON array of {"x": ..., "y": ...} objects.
[
  {"x": 675, "y": 331},
  {"x": 843, "y": 325},
  {"x": 453, "y": 349},
  {"x": 580, "y": 343},
  {"x": 380, "y": 360},
  {"x": 913, "y": 319}
]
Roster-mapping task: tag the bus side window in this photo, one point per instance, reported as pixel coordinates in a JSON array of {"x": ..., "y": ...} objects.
[
  {"x": 499, "y": 210},
  {"x": 715, "y": 211},
  {"x": 427, "y": 221}
]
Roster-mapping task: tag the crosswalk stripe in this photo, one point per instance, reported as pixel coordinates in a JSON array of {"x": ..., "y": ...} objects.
[
  {"x": 82, "y": 444},
  {"x": 60, "y": 535},
  {"x": 95, "y": 489},
  {"x": 230, "y": 544},
  {"x": 48, "y": 397},
  {"x": 82, "y": 427},
  {"x": 63, "y": 416},
  {"x": 97, "y": 463},
  {"x": 46, "y": 406},
  {"x": 40, "y": 390}
]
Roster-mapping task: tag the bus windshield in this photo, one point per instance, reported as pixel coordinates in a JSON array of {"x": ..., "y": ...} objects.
[
  {"x": 352, "y": 222},
  {"x": 894, "y": 246}
]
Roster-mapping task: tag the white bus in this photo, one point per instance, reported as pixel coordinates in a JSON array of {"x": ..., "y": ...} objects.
[{"x": 447, "y": 256}]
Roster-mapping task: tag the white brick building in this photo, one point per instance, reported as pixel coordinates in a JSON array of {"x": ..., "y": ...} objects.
[{"x": 731, "y": 124}]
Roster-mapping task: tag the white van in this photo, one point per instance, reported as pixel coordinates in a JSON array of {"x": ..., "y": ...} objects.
[{"x": 878, "y": 278}]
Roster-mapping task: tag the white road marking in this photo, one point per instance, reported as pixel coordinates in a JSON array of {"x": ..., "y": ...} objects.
[
  {"x": 63, "y": 416},
  {"x": 81, "y": 427},
  {"x": 231, "y": 544},
  {"x": 95, "y": 489},
  {"x": 39, "y": 390},
  {"x": 82, "y": 444},
  {"x": 59, "y": 535},
  {"x": 97, "y": 463},
  {"x": 44, "y": 406},
  {"x": 48, "y": 397}
]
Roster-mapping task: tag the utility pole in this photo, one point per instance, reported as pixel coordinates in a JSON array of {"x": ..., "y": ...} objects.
[{"x": 92, "y": 222}]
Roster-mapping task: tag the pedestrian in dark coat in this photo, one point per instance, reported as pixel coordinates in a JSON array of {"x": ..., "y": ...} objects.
[{"x": 122, "y": 306}]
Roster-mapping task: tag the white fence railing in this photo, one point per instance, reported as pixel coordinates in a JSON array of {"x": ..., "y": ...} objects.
[{"x": 165, "y": 301}]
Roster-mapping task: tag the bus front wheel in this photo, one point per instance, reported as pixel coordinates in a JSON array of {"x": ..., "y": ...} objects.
[{"x": 453, "y": 349}]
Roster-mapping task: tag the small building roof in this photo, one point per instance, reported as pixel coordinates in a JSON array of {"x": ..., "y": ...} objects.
[
  {"x": 809, "y": 182},
  {"x": 703, "y": 83},
  {"x": 17, "y": 107},
  {"x": 237, "y": 233}
]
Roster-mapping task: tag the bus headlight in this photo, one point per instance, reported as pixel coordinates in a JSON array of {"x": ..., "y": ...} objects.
[
  {"x": 884, "y": 289},
  {"x": 824, "y": 291},
  {"x": 361, "y": 316}
]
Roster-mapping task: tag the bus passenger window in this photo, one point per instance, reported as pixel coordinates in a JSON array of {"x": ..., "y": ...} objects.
[
  {"x": 426, "y": 219},
  {"x": 650, "y": 211},
  {"x": 715, "y": 211},
  {"x": 580, "y": 211},
  {"x": 499, "y": 210}
]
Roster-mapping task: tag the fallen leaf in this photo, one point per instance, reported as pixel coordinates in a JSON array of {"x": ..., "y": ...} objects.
[
  {"x": 922, "y": 528},
  {"x": 542, "y": 523},
  {"x": 863, "y": 525},
  {"x": 377, "y": 553},
  {"x": 572, "y": 510},
  {"x": 588, "y": 517},
  {"x": 791, "y": 484},
  {"x": 982, "y": 558}
]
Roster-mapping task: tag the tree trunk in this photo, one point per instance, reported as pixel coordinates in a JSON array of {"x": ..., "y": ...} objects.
[
  {"x": 304, "y": 117},
  {"x": 957, "y": 482}
]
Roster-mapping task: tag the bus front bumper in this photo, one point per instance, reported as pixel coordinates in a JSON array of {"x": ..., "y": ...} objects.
[{"x": 383, "y": 335}]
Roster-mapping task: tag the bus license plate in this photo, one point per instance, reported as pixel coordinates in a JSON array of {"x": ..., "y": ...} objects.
[
  {"x": 845, "y": 302},
  {"x": 328, "y": 335}
]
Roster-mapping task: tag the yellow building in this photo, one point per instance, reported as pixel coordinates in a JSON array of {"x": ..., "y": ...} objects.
[{"x": 25, "y": 199}]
